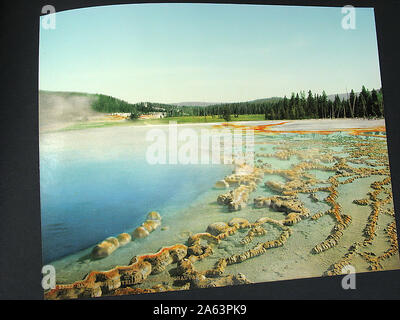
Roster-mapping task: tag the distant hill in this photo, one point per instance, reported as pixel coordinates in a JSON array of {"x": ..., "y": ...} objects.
[
  {"x": 206, "y": 104},
  {"x": 341, "y": 96},
  {"x": 330, "y": 97},
  {"x": 261, "y": 100},
  {"x": 271, "y": 99},
  {"x": 194, "y": 104}
]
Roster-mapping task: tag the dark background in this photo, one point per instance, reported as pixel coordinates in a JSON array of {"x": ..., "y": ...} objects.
[{"x": 20, "y": 235}]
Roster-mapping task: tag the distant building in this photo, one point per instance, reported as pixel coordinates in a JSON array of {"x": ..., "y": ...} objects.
[
  {"x": 121, "y": 114},
  {"x": 152, "y": 115}
]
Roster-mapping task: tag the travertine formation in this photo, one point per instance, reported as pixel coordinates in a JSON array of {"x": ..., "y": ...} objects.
[
  {"x": 261, "y": 248},
  {"x": 245, "y": 180},
  {"x": 108, "y": 246},
  {"x": 105, "y": 248},
  {"x": 125, "y": 280},
  {"x": 286, "y": 204},
  {"x": 358, "y": 158},
  {"x": 98, "y": 283}
]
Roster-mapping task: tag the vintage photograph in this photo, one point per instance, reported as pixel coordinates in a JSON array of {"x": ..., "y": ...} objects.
[{"x": 187, "y": 146}]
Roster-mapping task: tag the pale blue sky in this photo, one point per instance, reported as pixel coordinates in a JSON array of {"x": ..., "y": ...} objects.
[{"x": 207, "y": 52}]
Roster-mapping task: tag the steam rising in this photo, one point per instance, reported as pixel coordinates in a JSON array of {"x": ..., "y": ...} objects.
[{"x": 57, "y": 110}]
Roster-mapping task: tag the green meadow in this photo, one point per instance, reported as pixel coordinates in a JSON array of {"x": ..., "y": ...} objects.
[{"x": 180, "y": 120}]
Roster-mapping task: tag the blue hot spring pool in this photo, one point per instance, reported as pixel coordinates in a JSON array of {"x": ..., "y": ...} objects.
[{"x": 97, "y": 183}]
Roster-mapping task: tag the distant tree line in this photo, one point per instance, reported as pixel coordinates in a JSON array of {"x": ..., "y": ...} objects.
[
  {"x": 108, "y": 104},
  {"x": 365, "y": 104},
  {"x": 224, "y": 110}
]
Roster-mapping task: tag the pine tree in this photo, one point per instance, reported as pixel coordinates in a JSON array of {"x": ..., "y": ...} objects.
[
  {"x": 375, "y": 104},
  {"x": 324, "y": 104},
  {"x": 336, "y": 106}
]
